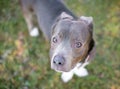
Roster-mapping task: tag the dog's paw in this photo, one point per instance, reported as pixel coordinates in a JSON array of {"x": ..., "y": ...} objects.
[
  {"x": 34, "y": 32},
  {"x": 66, "y": 76}
]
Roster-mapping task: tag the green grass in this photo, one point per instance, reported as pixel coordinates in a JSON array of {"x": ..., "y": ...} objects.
[{"x": 31, "y": 69}]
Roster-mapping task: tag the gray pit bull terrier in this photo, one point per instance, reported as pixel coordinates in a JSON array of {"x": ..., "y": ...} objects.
[{"x": 71, "y": 37}]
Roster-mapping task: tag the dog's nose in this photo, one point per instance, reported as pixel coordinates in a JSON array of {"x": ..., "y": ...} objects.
[{"x": 59, "y": 60}]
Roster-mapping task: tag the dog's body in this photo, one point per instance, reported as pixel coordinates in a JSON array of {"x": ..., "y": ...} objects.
[
  {"x": 71, "y": 37},
  {"x": 47, "y": 11}
]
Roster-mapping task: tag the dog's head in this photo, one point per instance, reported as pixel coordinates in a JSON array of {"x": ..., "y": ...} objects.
[{"x": 71, "y": 42}]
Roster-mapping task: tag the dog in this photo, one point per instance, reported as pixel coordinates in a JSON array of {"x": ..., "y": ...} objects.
[{"x": 71, "y": 38}]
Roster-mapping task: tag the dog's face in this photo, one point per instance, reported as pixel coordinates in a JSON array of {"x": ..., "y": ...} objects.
[{"x": 70, "y": 42}]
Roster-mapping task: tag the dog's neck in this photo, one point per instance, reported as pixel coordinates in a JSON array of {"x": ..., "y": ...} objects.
[
  {"x": 48, "y": 11},
  {"x": 91, "y": 47}
]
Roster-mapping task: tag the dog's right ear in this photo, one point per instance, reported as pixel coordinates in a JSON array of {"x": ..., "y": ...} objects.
[{"x": 64, "y": 15}]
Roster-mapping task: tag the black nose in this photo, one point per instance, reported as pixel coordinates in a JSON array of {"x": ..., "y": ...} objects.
[{"x": 58, "y": 60}]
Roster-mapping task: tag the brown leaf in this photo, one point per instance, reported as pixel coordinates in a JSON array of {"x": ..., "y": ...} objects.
[{"x": 20, "y": 45}]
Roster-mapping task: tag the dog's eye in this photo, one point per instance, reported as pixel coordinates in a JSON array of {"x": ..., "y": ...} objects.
[
  {"x": 54, "y": 39},
  {"x": 78, "y": 44}
]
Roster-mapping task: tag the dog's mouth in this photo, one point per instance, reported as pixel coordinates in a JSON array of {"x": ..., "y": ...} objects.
[{"x": 59, "y": 68}]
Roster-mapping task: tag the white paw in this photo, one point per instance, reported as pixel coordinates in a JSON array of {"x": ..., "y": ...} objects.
[
  {"x": 34, "y": 32},
  {"x": 66, "y": 76}
]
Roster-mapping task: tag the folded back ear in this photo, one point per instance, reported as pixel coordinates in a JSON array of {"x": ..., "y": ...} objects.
[
  {"x": 64, "y": 15},
  {"x": 88, "y": 21}
]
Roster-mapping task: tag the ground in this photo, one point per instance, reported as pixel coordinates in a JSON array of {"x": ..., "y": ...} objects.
[{"x": 24, "y": 60}]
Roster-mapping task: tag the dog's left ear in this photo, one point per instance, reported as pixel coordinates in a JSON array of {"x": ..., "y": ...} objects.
[
  {"x": 92, "y": 47},
  {"x": 88, "y": 21}
]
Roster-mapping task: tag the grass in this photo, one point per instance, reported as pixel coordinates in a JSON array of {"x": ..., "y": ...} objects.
[{"x": 24, "y": 61}]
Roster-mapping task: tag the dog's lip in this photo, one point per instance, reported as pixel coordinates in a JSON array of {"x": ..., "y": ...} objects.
[{"x": 59, "y": 68}]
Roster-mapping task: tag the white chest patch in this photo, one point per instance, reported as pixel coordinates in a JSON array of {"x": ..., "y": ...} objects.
[{"x": 79, "y": 70}]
